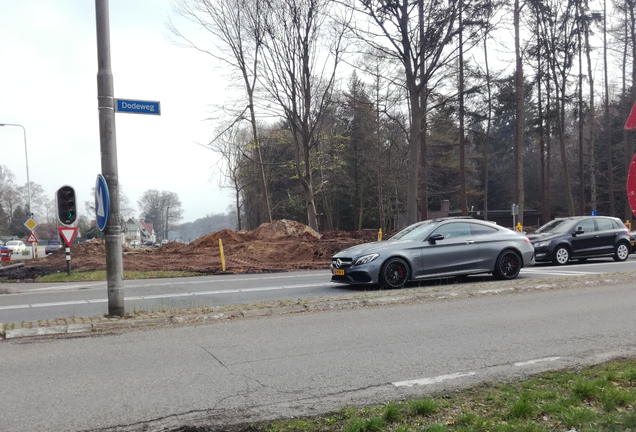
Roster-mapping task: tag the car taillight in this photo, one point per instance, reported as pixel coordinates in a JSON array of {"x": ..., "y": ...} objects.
[{"x": 526, "y": 239}]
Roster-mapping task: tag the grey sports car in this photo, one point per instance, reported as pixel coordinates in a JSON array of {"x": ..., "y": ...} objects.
[{"x": 435, "y": 249}]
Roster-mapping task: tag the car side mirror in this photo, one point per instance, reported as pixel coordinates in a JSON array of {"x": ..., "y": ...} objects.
[
  {"x": 578, "y": 231},
  {"x": 435, "y": 237}
]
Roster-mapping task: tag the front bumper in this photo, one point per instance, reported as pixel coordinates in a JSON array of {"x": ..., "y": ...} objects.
[{"x": 360, "y": 274}]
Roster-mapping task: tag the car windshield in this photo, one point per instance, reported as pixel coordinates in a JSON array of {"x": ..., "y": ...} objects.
[
  {"x": 417, "y": 231},
  {"x": 53, "y": 242},
  {"x": 555, "y": 226}
]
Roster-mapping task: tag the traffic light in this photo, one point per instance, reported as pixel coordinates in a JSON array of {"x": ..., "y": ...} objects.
[{"x": 66, "y": 208}]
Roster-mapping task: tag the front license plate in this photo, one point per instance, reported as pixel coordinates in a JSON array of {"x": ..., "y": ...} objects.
[{"x": 338, "y": 272}]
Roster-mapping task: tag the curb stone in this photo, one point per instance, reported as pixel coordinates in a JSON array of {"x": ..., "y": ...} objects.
[{"x": 62, "y": 326}]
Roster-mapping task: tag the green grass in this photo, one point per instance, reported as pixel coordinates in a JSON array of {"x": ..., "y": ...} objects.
[
  {"x": 597, "y": 398},
  {"x": 101, "y": 276}
]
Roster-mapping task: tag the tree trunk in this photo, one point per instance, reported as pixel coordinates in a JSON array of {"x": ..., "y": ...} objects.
[
  {"x": 266, "y": 206},
  {"x": 462, "y": 144},
  {"x": 424, "y": 159},
  {"x": 608, "y": 139},
  {"x": 545, "y": 210},
  {"x": 488, "y": 126},
  {"x": 414, "y": 158},
  {"x": 592, "y": 114},
  {"x": 379, "y": 152},
  {"x": 630, "y": 141},
  {"x": 519, "y": 117},
  {"x": 580, "y": 119}
]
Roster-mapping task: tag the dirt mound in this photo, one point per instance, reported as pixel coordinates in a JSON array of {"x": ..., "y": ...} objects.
[
  {"x": 277, "y": 246},
  {"x": 212, "y": 240},
  {"x": 366, "y": 235},
  {"x": 283, "y": 228}
]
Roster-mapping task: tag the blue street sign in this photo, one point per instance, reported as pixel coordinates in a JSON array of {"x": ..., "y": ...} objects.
[
  {"x": 593, "y": 212},
  {"x": 102, "y": 202},
  {"x": 137, "y": 106}
]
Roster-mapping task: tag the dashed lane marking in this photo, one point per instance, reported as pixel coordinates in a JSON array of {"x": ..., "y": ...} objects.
[
  {"x": 432, "y": 380},
  {"x": 541, "y": 360}
]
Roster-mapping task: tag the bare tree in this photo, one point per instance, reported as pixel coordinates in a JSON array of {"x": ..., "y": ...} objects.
[
  {"x": 558, "y": 37},
  {"x": 416, "y": 34},
  {"x": 300, "y": 76},
  {"x": 162, "y": 209},
  {"x": 230, "y": 146},
  {"x": 237, "y": 27}
]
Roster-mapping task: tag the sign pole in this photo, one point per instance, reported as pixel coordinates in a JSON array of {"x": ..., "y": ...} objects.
[
  {"x": 108, "y": 145},
  {"x": 68, "y": 260}
]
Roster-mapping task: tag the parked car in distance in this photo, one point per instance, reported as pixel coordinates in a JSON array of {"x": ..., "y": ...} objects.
[
  {"x": 53, "y": 246},
  {"x": 432, "y": 249},
  {"x": 580, "y": 238},
  {"x": 16, "y": 246},
  {"x": 164, "y": 241},
  {"x": 135, "y": 243}
]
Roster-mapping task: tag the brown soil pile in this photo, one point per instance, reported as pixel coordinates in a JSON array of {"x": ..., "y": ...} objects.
[{"x": 277, "y": 246}]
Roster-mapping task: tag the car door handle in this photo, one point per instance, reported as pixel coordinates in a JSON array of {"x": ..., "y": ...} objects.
[{"x": 470, "y": 241}]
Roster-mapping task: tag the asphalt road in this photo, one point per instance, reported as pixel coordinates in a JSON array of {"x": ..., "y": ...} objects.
[
  {"x": 31, "y": 302},
  {"x": 282, "y": 366}
]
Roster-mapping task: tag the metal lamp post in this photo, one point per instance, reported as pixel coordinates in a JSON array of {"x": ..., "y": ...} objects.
[{"x": 26, "y": 155}]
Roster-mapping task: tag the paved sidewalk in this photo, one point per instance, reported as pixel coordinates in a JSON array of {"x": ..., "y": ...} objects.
[{"x": 83, "y": 325}]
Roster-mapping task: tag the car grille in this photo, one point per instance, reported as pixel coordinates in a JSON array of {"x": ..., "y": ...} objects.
[{"x": 341, "y": 263}]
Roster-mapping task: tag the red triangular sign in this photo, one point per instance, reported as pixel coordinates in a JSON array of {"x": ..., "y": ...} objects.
[
  {"x": 68, "y": 234},
  {"x": 32, "y": 238},
  {"x": 631, "y": 120}
]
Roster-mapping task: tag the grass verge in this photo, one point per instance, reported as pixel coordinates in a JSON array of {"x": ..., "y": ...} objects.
[
  {"x": 101, "y": 276},
  {"x": 596, "y": 398}
]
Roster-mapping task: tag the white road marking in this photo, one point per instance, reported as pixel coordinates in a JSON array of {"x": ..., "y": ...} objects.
[
  {"x": 66, "y": 287},
  {"x": 165, "y": 296},
  {"x": 192, "y": 281},
  {"x": 561, "y": 272},
  {"x": 433, "y": 380},
  {"x": 541, "y": 360}
]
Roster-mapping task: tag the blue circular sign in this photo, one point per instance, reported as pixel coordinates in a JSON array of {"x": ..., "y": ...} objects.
[{"x": 102, "y": 202}]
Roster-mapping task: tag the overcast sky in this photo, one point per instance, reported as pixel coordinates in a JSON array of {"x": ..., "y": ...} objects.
[{"x": 48, "y": 84}]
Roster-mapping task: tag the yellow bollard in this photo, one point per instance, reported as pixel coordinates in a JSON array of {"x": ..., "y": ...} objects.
[
  {"x": 222, "y": 256},
  {"x": 380, "y": 235},
  {"x": 628, "y": 225},
  {"x": 519, "y": 227}
]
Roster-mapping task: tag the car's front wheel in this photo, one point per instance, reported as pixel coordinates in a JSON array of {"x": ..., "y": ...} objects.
[
  {"x": 508, "y": 265},
  {"x": 621, "y": 253},
  {"x": 395, "y": 273},
  {"x": 561, "y": 255}
]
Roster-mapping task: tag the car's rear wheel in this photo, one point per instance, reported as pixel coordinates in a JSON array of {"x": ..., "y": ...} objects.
[
  {"x": 561, "y": 255},
  {"x": 508, "y": 265},
  {"x": 395, "y": 273},
  {"x": 621, "y": 253}
]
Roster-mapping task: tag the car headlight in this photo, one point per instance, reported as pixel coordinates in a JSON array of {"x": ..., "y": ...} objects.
[
  {"x": 365, "y": 259},
  {"x": 543, "y": 244}
]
